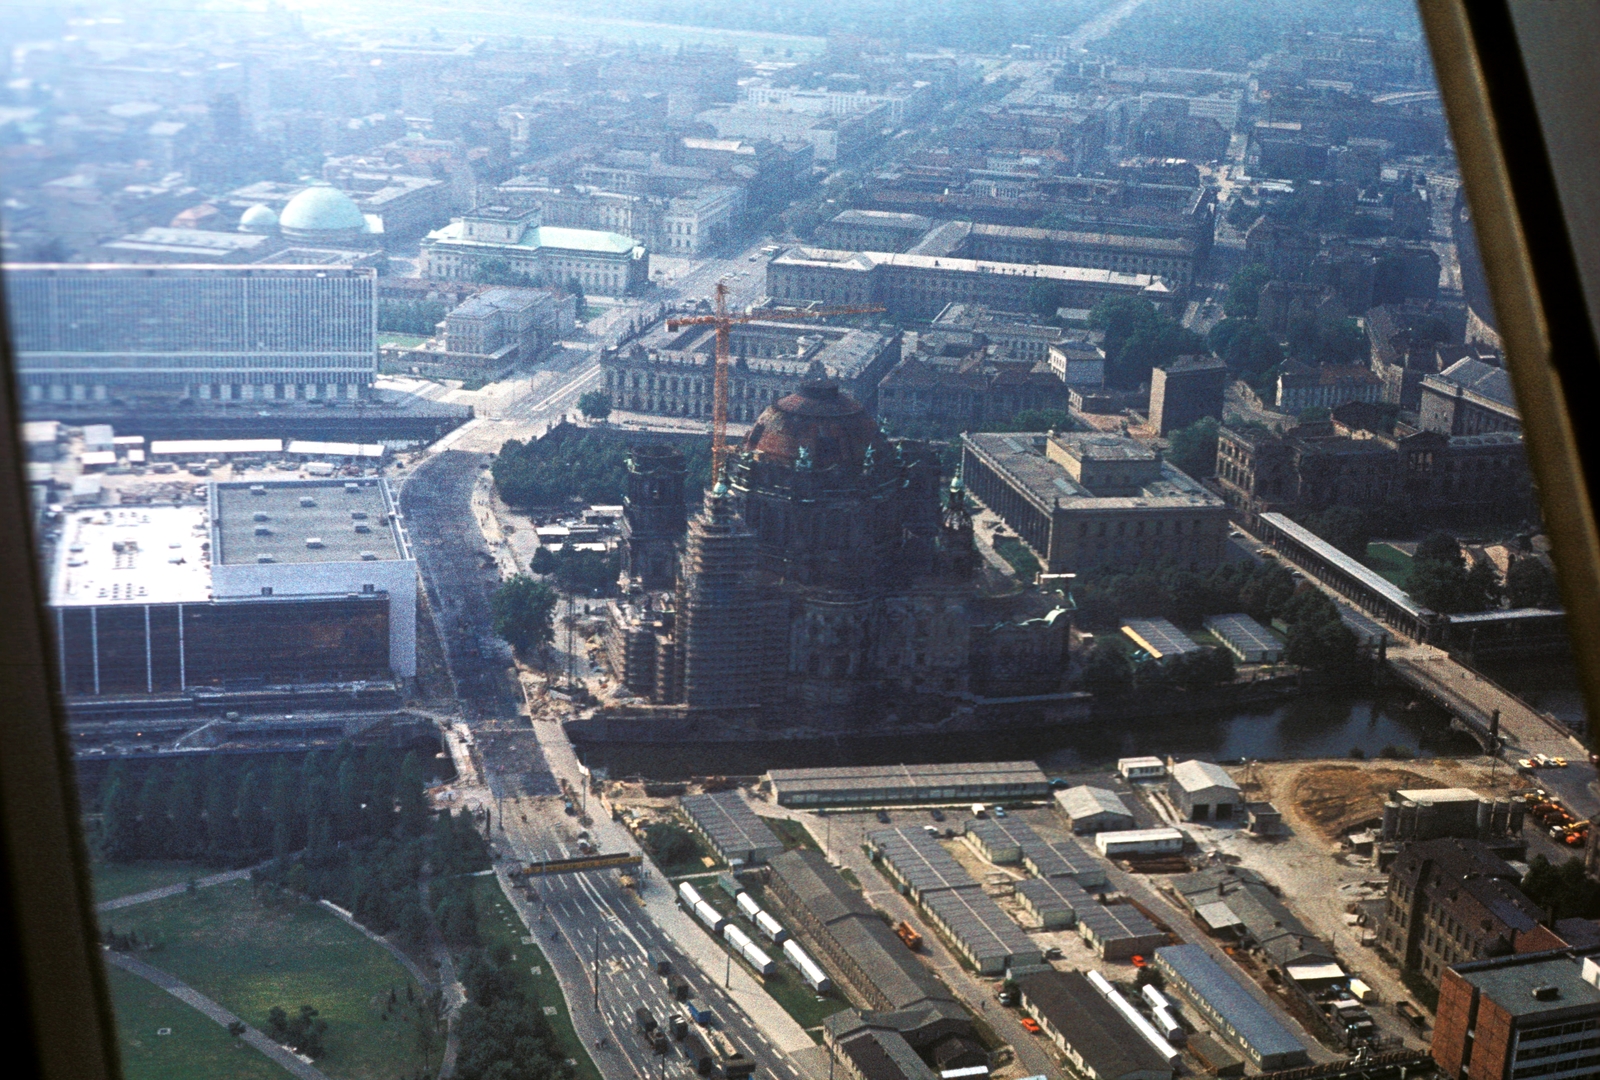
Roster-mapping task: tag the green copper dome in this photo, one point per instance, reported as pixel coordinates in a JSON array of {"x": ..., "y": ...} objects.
[
  {"x": 322, "y": 212},
  {"x": 260, "y": 218}
]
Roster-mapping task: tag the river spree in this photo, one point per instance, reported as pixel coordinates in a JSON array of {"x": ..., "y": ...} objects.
[{"x": 1314, "y": 725}]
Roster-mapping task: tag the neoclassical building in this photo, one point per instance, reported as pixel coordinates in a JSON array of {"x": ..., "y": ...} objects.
[{"x": 604, "y": 263}]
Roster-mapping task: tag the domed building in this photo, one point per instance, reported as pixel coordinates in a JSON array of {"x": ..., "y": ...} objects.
[
  {"x": 322, "y": 214},
  {"x": 832, "y": 583},
  {"x": 260, "y": 219}
]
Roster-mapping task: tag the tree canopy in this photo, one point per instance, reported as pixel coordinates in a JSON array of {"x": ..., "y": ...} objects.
[
  {"x": 523, "y": 610},
  {"x": 1244, "y": 291},
  {"x": 1137, "y": 338},
  {"x": 1441, "y": 580},
  {"x": 1346, "y": 528},
  {"x": 596, "y": 404},
  {"x": 1194, "y": 448},
  {"x": 1531, "y": 583}
]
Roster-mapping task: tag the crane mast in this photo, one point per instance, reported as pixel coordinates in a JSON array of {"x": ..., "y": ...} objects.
[{"x": 724, "y": 323}]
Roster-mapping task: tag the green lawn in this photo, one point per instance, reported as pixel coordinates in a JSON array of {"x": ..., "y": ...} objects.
[
  {"x": 497, "y": 922},
  {"x": 112, "y": 880},
  {"x": 1017, "y": 554},
  {"x": 250, "y": 957},
  {"x": 404, "y": 341},
  {"x": 695, "y": 864},
  {"x": 1389, "y": 561},
  {"x": 194, "y": 1048},
  {"x": 792, "y": 833}
]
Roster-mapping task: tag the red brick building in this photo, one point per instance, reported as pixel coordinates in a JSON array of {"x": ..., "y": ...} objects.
[{"x": 1520, "y": 1017}]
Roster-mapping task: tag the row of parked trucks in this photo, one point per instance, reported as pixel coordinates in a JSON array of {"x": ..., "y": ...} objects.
[
  {"x": 707, "y": 1049},
  {"x": 764, "y": 922}
]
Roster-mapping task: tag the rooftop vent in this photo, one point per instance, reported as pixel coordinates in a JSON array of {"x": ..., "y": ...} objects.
[
  {"x": 265, "y": 558},
  {"x": 358, "y": 515},
  {"x": 313, "y": 541},
  {"x": 258, "y": 489},
  {"x": 262, "y": 530},
  {"x": 260, "y": 515},
  {"x": 307, "y": 500},
  {"x": 369, "y": 556},
  {"x": 1546, "y": 993},
  {"x": 351, "y": 487},
  {"x": 363, "y": 527}
]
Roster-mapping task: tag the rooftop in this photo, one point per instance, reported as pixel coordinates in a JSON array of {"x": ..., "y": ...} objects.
[
  {"x": 871, "y": 260},
  {"x": 1510, "y": 982},
  {"x": 1159, "y": 637},
  {"x": 1021, "y": 457},
  {"x": 1193, "y": 775},
  {"x": 1085, "y": 801},
  {"x": 1478, "y": 378},
  {"x": 1108, "y": 1044},
  {"x": 304, "y": 521},
  {"x": 132, "y": 555},
  {"x": 1368, "y": 578},
  {"x": 593, "y": 241},
  {"x": 1254, "y": 1026},
  {"x": 733, "y": 827}
]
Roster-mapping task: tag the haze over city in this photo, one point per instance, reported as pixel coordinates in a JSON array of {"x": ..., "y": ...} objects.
[{"x": 912, "y": 541}]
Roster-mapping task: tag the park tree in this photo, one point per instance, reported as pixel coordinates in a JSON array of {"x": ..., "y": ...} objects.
[
  {"x": 1194, "y": 448},
  {"x": 670, "y": 843},
  {"x": 1244, "y": 291},
  {"x": 523, "y": 609},
  {"x": 1044, "y": 299},
  {"x": 1108, "y": 670},
  {"x": 1531, "y": 583},
  {"x": 1565, "y": 891},
  {"x": 1248, "y": 349},
  {"x": 1138, "y": 337},
  {"x": 119, "y": 817},
  {"x": 595, "y": 404},
  {"x": 411, "y": 797},
  {"x": 1345, "y": 527}
]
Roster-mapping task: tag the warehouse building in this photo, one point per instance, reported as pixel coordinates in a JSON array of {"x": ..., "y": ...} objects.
[
  {"x": 269, "y": 584},
  {"x": 1203, "y": 791},
  {"x": 1238, "y": 902},
  {"x": 937, "y": 1032},
  {"x": 848, "y": 934},
  {"x": 881, "y": 785},
  {"x": 1121, "y": 844},
  {"x": 1159, "y": 638},
  {"x": 1095, "y": 1037},
  {"x": 1229, "y": 1008},
  {"x": 731, "y": 828},
  {"x": 1064, "y": 859},
  {"x": 881, "y": 1055},
  {"x": 1119, "y": 931},
  {"x": 1246, "y": 639},
  {"x": 1055, "y": 902},
  {"x": 953, "y": 902},
  {"x": 1008, "y": 841},
  {"x": 1094, "y": 810}
]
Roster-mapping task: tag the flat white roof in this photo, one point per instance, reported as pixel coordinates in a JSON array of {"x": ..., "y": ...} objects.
[
  {"x": 216, "y": 446},
  {"x": 1135, "y": 836},
  {"x": 336, "y": 449},
  {"x": 1440, "y": 795},
  {"x": 132, "y": 555},
  {"x": 98, "y": 457},
  {"x": 1141, "y": 763}
]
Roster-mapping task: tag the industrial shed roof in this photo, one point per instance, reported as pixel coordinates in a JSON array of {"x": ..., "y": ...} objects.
[
  {"x": 732, "y": 827},
  {"x": 1084, "y": 801},
  {"x": 1244, "y": 637},
  {"x": 953, "y": 781},
  {"x": 1251, "y": 1023},
  {"x": 1047, "y": 895},
  {"x": 897, "y": 974},
  {"x": 1106, "y": 1042},
  {"x": 1116, "y": 922},
  {"x": 1159, "y": 637},
  {"x": 988, "y": 934},
  {"x": 819, "y": 886},
  {"x": 1194, "y": 775},
  {"x": 920, "y": 861},
  {"x": 1262, "y": 916},
  {"x": 1064, "y": 859},
  {"x": 885, "y": 1055}
]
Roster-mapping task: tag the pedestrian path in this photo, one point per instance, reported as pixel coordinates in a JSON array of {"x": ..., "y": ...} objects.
[
  {"x": 388, "y": 946},
  {"x": 173, "y": 890},
  {"x": 198, "y": 1001}
]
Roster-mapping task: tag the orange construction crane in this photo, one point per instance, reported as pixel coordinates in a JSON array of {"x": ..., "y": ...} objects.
[{"x": 723, "y": 321}]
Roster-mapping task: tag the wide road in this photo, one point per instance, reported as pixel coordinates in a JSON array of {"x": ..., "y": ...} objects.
[{"x": 588, "y": 922}]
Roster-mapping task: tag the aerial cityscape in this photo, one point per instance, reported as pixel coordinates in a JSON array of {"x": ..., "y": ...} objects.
[{"x": 1002, "y": 530}]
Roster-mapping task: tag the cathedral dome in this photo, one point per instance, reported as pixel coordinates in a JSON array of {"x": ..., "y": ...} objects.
[
  {"x": 260, "y": 218},
  {"x": 819, "y": 426},
  {"x": 324, "y": 213}
]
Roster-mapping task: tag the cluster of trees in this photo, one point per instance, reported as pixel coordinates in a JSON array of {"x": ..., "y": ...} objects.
[
  {"x": 589, "y": 468},
  {"x": 1531, "y": 583},
  {"x": 1137, "y": 338},
  {"x": 1440, "y": 578},
  {"x": 671, "y": 844},
  {"x": 1194, "y": 448},
  {"x": 579, "y": 571},
  {"x": 1256, "y": 355},
  {"x": 1346, "y": 528},
  {"x": 504, "y": 1035},
  {"x": 227, "y": 813},
  {"x": 595, "y": 404},
  {"x": 1109, "y": 670},
  {"x": 523, "y": 609},
  {"x": 1034, "y": 420},
  {"x": 1565, "y": 891},
  {"x": 418, "y": 317},
  {"x": 1317, "y": 637},
  {"x": 302, "y": 1032}
]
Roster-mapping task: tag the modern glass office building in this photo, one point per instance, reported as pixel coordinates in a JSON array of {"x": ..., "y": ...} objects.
[{"x": 207, "y": 333}]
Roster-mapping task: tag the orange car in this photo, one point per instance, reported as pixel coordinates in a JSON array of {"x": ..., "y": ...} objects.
[{"x": 1030, "y": 1024}]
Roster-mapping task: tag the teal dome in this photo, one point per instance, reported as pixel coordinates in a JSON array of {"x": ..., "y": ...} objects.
[
  {"x": 260, "y": 218},
  {"x": 322, "y": 213}
]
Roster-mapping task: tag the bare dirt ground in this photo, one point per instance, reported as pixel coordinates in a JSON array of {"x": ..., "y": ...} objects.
[{"x": 1328, "y": 799}]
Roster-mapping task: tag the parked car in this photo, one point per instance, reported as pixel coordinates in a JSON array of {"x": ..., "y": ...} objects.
[
  {"x": 1031, "y": 1025},
  {"x": 936, "y": 814},
  {"x": 883, "y": 816}
]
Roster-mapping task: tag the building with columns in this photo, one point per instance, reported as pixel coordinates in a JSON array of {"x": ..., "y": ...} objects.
[{"x": 162, "y": 334}]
